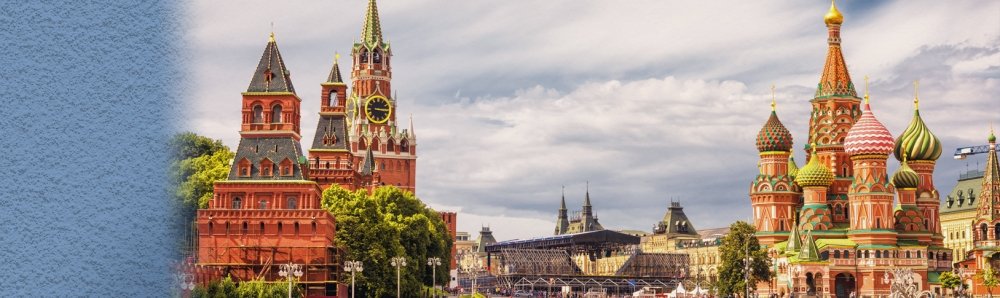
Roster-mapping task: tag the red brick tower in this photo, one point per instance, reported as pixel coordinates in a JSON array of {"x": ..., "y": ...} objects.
[
  {"x": 330, "y": 155},
  {"x": 371, "y": 110},
  {"x": 773, "y": 193},
  {"x": 267, "y": 212}
]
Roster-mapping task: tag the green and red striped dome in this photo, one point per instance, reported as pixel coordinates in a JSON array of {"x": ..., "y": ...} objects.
[
  {"x": 774, "y": 136},
  {"x": 917, "y": 141}
]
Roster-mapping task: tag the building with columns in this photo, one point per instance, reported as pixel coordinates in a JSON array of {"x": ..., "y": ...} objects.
[{"x": 839, "y": 224}]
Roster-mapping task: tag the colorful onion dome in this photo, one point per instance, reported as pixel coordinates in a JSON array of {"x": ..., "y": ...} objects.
[
  {"x": 793, "y": 169},
  {"x": 774, "y": 136},
  {"x": 833, "y": 16},
  {"x": 992, "y": 138},
  {"x": 905, "y": 177},
  {"x": 814, "y": 173},
  {"x": 868, "y": 135},
  {"x": 918, "y": 140}
]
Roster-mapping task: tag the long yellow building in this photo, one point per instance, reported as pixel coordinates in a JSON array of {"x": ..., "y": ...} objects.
[{"x": 958, "y": 210}]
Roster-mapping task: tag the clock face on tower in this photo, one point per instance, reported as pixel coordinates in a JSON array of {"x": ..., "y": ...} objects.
[{"x": 378, "y": 109}]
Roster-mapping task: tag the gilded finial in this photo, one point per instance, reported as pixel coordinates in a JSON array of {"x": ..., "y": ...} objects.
[
  {"x": 336, "y": 57},
  {"x": 916, "y": 93},
  {"x": 773, "y": 102},
  {"x": 866, "y": 89},
  {"x": 833, "y": 16},
  {"x": 271, "y": 38}
]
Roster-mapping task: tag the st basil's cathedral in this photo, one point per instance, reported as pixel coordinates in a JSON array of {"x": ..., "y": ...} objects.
[
  {"x": 268, "y": 211},
  {"x": 838, "y": 225}
]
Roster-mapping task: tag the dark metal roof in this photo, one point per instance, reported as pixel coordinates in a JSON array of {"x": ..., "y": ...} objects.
[
  {"x": 335, "y": 125},
  {"x": 335, "y": 76},
  {"x": 271, "y": 74},
  {"x": 368, "y": 166},
  {"x": 567, "y": 240},
  {"x": 257, "y": 149}
]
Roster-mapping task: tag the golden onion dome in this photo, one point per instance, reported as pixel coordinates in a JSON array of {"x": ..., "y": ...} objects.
[
  {"x": 833, "y": 16},
  {"x": 814, "y": 173}
]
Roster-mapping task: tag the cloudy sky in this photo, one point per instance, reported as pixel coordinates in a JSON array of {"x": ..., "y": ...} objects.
[{"x": 648, "y": 100}]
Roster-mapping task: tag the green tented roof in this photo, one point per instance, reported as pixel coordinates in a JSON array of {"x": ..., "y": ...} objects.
[{"x": 822, "y": 243}]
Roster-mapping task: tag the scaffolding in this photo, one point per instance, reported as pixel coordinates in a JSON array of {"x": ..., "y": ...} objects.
[{"x": 548, "y": 262}]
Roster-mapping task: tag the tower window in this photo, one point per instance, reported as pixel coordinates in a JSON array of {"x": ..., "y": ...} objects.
[
  {"x": 377, "y": 56},
  {"x": 263, "y": 204},
  {"x": 279, "y": 228},
  {"x": 210, "y": 228},
  {"x": 296, "y": 229},
  {"x": 332, "y": 98},
  {"x": 364, "y": 56},
  {"x": 262, "y": 228},
  {"x": 293, "y": 202},
  {"x": 246, "y": 228},
  {"x": 237, "y": 203},
  {"x": 258, "y": 114},
  {"x": 276, "y": 114},
  {"x": 314, "y": 228}
]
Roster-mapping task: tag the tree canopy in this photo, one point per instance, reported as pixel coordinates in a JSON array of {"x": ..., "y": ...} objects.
[
  {"x": 198, "y": 162},
  {"x": 733, "y": 253},
  {"x": 389, "y": 222}
]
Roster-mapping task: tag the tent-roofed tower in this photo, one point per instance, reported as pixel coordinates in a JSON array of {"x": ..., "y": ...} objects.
[
  {"x": 562, "y": 220},
  {"x": 835, "y": 108},
  {"x": 330, "y": 158},
  {"x": 371, "y": 113},
  {"x": 987, "y": 221},
  {"x": 267, "y": 212}
]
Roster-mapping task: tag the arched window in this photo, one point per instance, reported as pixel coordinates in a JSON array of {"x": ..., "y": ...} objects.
[
  {"x": 210, "y": 228},
  {"x": 263, "y": 204},
  {"x": 982, "y": 231},
  {"x": 293, "y": 202},
  {"x": 878, "y": 223},
  {"x": 908, "y": 255},
  {"x": 391, "y": 146},
  {"x": 262, "y": 228},
  {"x": 237, "y": 203},
  {"x": 276, "y": 114},
  {"x": 314, "y": 228},
  {"x": 377, "y": 56},
  {"x": 296, "y": 229},
  {"x": 362, "y": 144},
  {"x": 279, "y": 228},
  {"x": 996, "y": 231},
  {"x": 246, "y": 227},
  {"x": 258, "y": 114},
  {"x": 878, "y": 254},
  {"x": 836, "y": 254},
  {"x": 332, "y": 97},
  {"x": 404, "y": 146},
  {"x": 364, "y": 56},
  {"x": 227, "y": 228},
  {"x": 918, "y": 254}
]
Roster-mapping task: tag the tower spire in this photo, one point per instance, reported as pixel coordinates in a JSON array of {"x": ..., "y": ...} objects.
[
  {"x": 271, "y": 74},
  {"x": 371, "y": 33},
  {"x": 773, "y": 102},
  {"x": 835, "y": 80},
  {"x": 916, "y": 93},
  {"x": 335, "y": 76}
]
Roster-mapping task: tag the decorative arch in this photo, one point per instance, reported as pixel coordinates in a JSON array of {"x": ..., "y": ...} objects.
[{"x": 257, "y": 115}]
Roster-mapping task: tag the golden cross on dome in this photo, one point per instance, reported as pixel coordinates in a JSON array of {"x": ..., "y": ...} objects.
[
  {"x": 773, "y": 102},
  {"x": 916, "y": 92}
]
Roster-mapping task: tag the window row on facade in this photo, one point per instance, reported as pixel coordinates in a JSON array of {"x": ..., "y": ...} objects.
[{"x": 245, "y": 228}]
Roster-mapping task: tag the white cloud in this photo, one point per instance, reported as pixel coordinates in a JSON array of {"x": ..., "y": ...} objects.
[{"x": 649, "y": 100}]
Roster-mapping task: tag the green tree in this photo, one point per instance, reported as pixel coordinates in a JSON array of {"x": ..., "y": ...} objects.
[
  {"x": 989, "y": 279},
  {"x": 197, "y": 163},
  {"x": 950, "y": 281},
  {"x": 389, "y": 222},
  {"x": 733, "y": 253}
]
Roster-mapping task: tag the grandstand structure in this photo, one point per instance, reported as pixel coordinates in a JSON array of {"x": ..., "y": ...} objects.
[{"x": 605, "y": 260}]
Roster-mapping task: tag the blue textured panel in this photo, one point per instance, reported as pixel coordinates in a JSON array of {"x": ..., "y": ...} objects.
[{"x": 87, "y": 94}]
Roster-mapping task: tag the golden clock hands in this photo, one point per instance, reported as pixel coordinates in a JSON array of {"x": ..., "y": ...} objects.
[{"x": 377, "y": 109}]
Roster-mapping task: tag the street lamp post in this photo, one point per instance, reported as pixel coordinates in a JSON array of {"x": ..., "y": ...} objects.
[
  {"x": 747, "y": 268},
  {"x": 433, "y": 262},
  {"x": 470, "y": 264},
  {"x": 184, "y": 281},
  {"x": 353, "y": 267},
  {"x": 290, "y": 271},
  {"x": 398, "y": 262}
]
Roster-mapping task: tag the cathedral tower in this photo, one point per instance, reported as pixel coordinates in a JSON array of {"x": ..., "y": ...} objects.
[
  {"x": 987, "y": 221},
  {"x": 871, "y": 194},
  {"x": 773, "y": 192},
  {"x": 835, "y": 108},
  {"x": 922, "y": 149}
]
